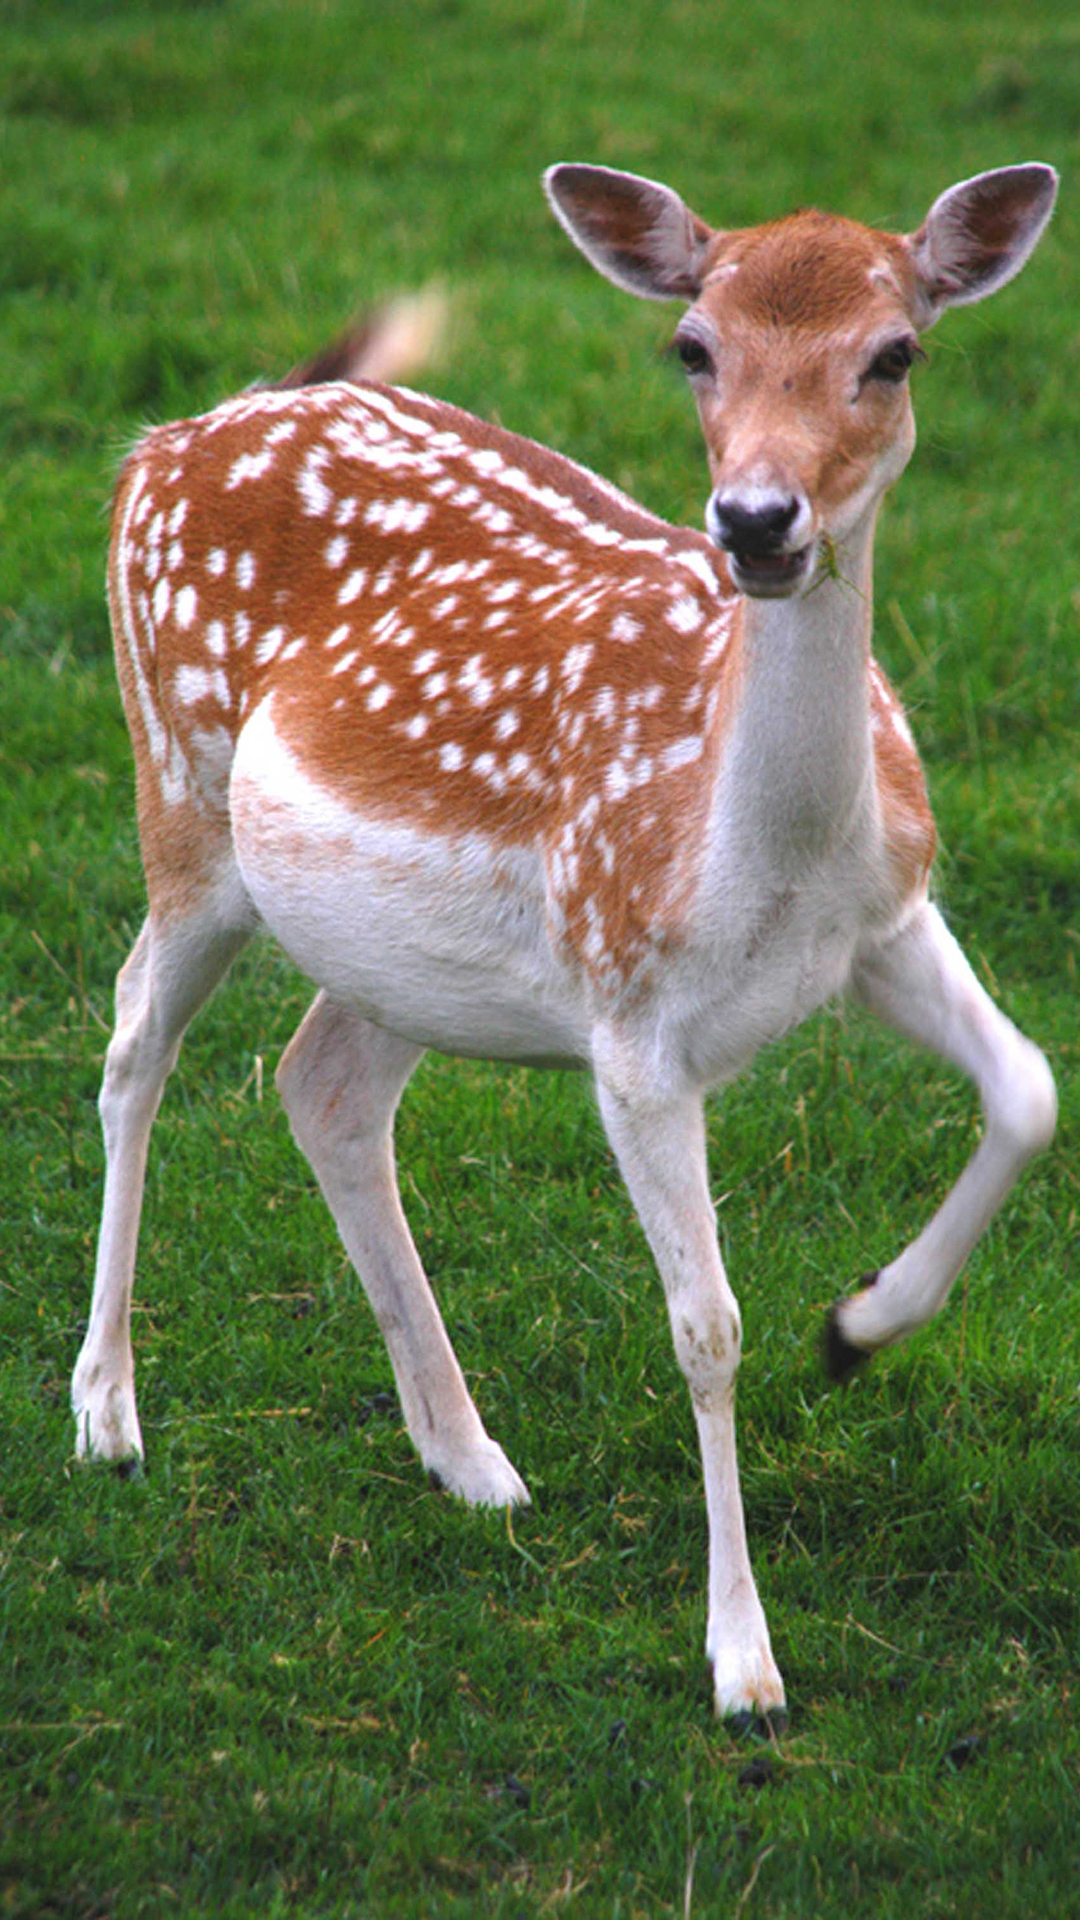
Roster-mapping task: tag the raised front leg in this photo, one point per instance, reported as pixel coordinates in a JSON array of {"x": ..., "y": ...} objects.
[
  {"x": 922, "y": 985},
  {"x": 341, "y": 1079},
  {"x": 661, "y": 1151}
]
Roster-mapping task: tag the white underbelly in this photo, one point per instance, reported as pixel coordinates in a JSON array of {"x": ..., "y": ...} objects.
[{"x": 440, "y": 939}]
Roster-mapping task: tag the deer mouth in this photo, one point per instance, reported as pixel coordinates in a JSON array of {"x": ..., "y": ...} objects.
[{"x": 770, "y": 576}]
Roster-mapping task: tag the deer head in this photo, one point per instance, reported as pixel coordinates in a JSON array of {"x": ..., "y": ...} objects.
[{"x": 798, "y": 340}]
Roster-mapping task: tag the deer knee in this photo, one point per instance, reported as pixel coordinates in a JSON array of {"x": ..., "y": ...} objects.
[
  {"x": 708, "y": 1346},
  {"x": 321, "y": 1081},
  {"x": 1026, "y": 1103},
  {"x": 307, "y": 1085}
]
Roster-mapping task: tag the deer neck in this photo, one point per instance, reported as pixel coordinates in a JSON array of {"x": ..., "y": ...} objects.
[{"x": 800, "y": 756}]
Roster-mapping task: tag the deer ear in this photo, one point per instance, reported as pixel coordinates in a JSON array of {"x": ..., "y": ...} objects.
[
  {"x": 979, "y": 233},
  {"x": 634, "y": 231}
]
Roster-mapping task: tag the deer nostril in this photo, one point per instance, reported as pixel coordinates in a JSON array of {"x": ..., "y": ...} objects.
[{"x": 758, "y": 529}]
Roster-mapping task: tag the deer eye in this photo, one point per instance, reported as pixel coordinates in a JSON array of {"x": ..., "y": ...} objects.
[
  {"x": 894, "y": 361},
  {"x": 693, "y": 353}
]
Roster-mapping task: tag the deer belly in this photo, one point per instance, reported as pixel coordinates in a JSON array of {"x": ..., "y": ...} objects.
[{"x": 439, "y": 938}]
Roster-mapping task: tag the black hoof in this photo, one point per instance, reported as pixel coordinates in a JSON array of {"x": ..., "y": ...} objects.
[
  {"x": 839, "y": 1356},
  {"x": 130, "y": 1469}
]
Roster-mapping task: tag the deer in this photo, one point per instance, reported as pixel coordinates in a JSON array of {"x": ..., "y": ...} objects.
[{"x": 513, "y": 769}]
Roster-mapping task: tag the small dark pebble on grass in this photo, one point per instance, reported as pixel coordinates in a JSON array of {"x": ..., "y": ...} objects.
[
  {"x": 511, "y": 1789},
  {"x": 761, "y": 1772},
  {"x": 382, "y": 1405}
]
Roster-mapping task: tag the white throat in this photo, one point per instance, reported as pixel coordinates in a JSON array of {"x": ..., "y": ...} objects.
[{"x": 800, "y": 754}]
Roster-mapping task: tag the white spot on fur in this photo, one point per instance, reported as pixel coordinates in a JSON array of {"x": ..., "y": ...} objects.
[
  {"x": 184, "y": 610},
  {"x": 398, "y": 516},
  {"x": 193, "y": 684},
  {"x": 269, "y": 645},
  {"x": 314, "y": 492},
  {"x": 574, "y": 665},
  {"x": 685, "y": 615},
  {"x": 353, "y": 587},
  {"x": 249, "y": 466},
  {"x": 682, "y": 753},
  {"x": 473, "y": 681}
]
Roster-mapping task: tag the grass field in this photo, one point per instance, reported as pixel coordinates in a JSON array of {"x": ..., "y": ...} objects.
[{"x": 277, "y": 1674}]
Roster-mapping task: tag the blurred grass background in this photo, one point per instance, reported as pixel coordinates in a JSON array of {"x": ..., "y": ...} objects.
[{"x": 278, "y": 1675}]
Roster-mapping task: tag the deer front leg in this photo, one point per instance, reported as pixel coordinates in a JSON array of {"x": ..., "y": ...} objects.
[
  {"x": 661, "y": 1152},
  {"x": 922, "y": 985}
]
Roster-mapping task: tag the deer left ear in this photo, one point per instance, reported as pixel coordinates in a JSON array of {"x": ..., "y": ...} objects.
[
  {"x": 636, "y": 232},
  {"x": 979, "y": 233}
]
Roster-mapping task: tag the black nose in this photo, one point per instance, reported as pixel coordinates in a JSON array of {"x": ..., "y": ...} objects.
[{"x": 757, "y": 531}]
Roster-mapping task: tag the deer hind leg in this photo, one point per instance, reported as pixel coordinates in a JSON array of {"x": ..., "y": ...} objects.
[
  {"x": 661, "y": 1152},
  {"x": 922, "y": 985},
  {"x": 173, "y": 967},
  {"x": 341, "y": 1079}
]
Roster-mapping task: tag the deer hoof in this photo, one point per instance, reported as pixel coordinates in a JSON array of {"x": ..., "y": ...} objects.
[{"x": 840, "y": 1356}]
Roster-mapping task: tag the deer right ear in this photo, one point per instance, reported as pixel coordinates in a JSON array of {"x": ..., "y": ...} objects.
[
  {"x": 978, "y": 234},
  {"x": 634, "y": 231}
]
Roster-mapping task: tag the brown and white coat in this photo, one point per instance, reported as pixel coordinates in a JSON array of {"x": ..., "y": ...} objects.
[{"x": 512, "y": 768}]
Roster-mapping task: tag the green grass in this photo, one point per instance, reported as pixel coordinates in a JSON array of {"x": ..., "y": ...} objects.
[{"x": 279, "y": 1675}]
